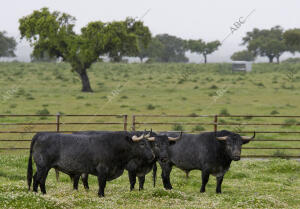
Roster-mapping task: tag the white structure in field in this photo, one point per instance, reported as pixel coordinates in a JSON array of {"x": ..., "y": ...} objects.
[{"x": 241, "y": 66}]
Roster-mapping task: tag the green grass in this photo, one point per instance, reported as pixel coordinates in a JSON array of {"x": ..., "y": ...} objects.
[{"x": 248, "y": 184}]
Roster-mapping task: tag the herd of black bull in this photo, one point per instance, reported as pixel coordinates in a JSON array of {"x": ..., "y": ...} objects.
[{"x": 106, "y": 154}]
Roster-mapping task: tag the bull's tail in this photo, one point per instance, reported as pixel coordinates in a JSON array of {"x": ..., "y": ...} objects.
[
  {"x": 154, "y": 174},
  {"x": 29, "y": 168},
  {"x": 57, "y": 175}
]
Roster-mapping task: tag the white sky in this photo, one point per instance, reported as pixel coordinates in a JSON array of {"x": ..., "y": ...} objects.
[{"x": 190, "y": 19}]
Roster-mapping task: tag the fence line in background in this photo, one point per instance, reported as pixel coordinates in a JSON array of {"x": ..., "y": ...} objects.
[
  {"x": 216, "y": 124},
  {"x": 136, "y": 123}
]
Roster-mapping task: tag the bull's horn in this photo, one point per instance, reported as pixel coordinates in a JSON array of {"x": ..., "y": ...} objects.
[
  {"x": 175, "y": 138},
  {"x": 135, "y": 138},
  {"x": 222, "y": 138},
  {"x": 151, "y": 139},
  {"x": 248, "y": 138}
]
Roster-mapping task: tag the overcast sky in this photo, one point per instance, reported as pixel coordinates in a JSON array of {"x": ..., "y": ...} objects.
[{"x": 189, "y": 19}]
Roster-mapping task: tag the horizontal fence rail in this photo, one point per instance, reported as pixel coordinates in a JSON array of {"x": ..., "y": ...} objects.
[
  {"x": 56, "y": 126},
  {"x": 142, "y": 121},
  {"x": 280, "y": 139}
]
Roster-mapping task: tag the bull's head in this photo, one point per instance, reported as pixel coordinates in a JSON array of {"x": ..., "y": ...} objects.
[
  {"x": 234, "y": 144},
  {"x": 161, "y": 144},
  {"x": 142, "y": 148}
]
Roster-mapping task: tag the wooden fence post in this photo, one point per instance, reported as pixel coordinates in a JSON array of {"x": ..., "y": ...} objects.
[
  {"x": 125, "y": 122},
  {"x": 57, "y": 122},
  {"x": 216, "y": 123},
  {"x": 133, "y": 123}
]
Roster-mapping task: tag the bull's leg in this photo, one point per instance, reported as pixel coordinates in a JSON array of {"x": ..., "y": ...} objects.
[
  {"x": 102, "y": 184},
  {"x": 76, "y": 181},
  {"x": 85, "y": 180},
  {"x": 141, "y": 182},
  {"x": 165, "y": 175},
  {"x": 43, "y": 178},
  {"x": 205, "y": 177},
  {"x": 132, "y": 179},
  {"x": 219, "y": 184},
  {"x": 187, "y": 174},
  {"x": 37, "y": 177},
  {"x": 35, "y": 183}
]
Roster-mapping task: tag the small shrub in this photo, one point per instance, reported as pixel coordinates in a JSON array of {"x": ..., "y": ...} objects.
[
  {"x": 193, "y": 115},
  {"x": 280, "y": 154},
  {"x": 198, "y": 128},
  {"x": 213, "y": 87},
  {"x": 274, "y": 112},
  {"x": 80, "y": 97},
  {"x": 13, "y": 105},
  {"x": 224, "y": 111},
  {"x": 124, "y": 97},
  {"x": 183, "y": 98},
  {"x": 289, "y": 122},
  {"x": 177, "y": 127},
  {"x": 44, "y": 111},
  {"x": 150, "y": 107},
  {"x": 196, "y": 87},
  {"x": 260, "y": 84}
]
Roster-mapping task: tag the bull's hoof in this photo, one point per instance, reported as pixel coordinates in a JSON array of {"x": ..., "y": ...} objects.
[
  {"x": 100, "y": 195},
  {"x": 168, "y": 187},
  {"x": 202, "y": 190}
]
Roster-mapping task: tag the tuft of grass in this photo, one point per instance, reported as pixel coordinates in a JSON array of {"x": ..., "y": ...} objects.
[
  {"x": 198, "y": 128},
  {"x": 177, "y": 127},
  {"x": 150, "y": 107},
  {"x": 224, "y": 112},
  {"x": 274, "y": 112}
]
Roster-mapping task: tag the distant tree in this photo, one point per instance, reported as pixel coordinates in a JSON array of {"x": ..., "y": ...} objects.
[
  {"x": 123, "y": 47},
  {"x": 244, "y": 55},
  {"x": 204, "y": 48},
  {"x": 154, "y": 50},
  {"x": 7, "y": 45},
  {"x": 266, "y": 42},
  {"x": 171, "y": 49},
  {"x": 52, "y": 32},
  {"x": 292, "y": 40}
]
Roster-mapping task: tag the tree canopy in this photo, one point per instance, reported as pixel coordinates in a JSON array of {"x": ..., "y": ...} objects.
[
  {"x": 7, "y": 45},
  {"x": 53, "y": 32},
  {"x": 292, "y": 39},
  {"x": 165, "y": 48},
  {"x": 201, "y": 47},
  {"x": 266, "y": 42},
  {"x": 244, "y": 55}
]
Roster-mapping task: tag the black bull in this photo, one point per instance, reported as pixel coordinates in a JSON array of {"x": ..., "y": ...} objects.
[
  {"x": 210, "y": 152},
  {"x": 105, "y": 156},
  {"x": 136, "y": 167}
]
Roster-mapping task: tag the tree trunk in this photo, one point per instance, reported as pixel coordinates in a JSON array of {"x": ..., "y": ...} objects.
[
  {"x": 270, "y": 59},
  {"x": 277, "y": 58},
  {"x": 86, "y": 87},
  {"x": 141, "y": 59},
  {"x": 205, "y": 58}
]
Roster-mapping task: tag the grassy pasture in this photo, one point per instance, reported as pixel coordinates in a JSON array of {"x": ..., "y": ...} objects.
[
  {"x": 183, "y": 89},
  {"x": 248, "y": 184}
]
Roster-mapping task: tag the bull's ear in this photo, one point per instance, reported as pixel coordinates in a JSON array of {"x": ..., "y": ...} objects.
[
  {"x": 246, "y": 141},
  {"x": 128, "y": 138}
]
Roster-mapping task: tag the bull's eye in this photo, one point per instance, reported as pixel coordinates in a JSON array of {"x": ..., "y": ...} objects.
[
  {"x": 142, "y": 144},
  {"x": 156, "y": 144}
]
